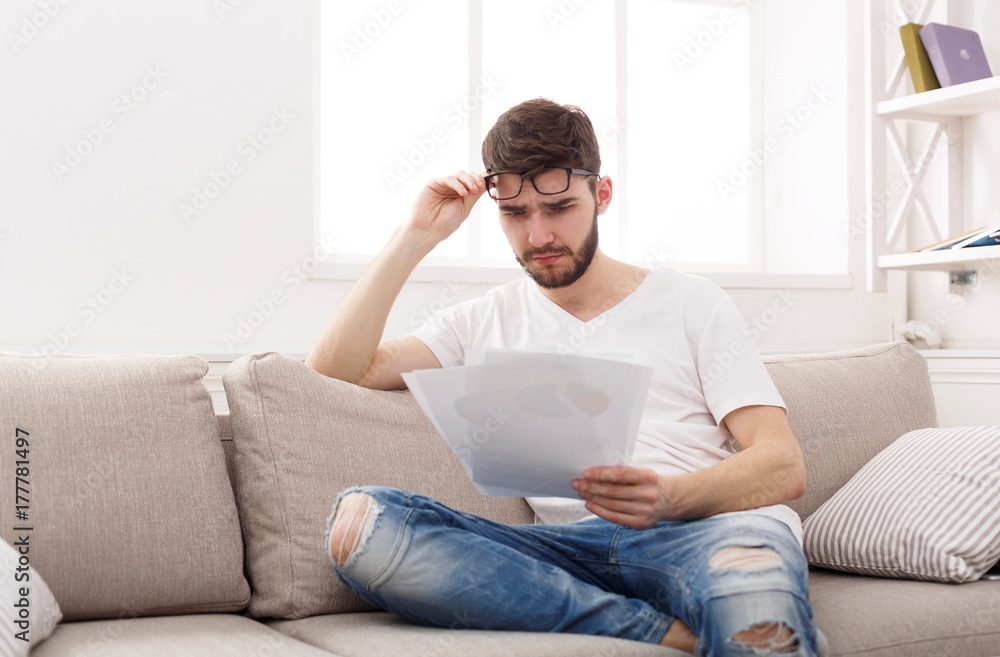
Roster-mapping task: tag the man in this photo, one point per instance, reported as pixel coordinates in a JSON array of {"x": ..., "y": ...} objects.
[{"x": 689, "y": 546}]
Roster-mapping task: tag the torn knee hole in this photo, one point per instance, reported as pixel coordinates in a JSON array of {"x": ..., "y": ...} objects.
[
  {"x": 352, "y": 523},
  {"x": 773, "y": 637},
  {"x": 745, "y": 558}
]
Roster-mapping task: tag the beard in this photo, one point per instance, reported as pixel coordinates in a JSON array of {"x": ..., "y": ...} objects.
[{"x": 582, "y": 258}]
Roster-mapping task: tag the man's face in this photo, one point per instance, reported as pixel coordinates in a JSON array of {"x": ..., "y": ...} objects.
[{"x": 554, "y": 237}]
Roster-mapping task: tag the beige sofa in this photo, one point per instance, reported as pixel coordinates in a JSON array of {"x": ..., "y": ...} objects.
[{"x": 163, "y": 529}]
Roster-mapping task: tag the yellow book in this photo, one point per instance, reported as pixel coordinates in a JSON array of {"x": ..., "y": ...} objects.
[{"x": 917, "y": 61}]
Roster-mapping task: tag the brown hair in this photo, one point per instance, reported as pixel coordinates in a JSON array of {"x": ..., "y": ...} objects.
[{"x": 540, "y": 133}]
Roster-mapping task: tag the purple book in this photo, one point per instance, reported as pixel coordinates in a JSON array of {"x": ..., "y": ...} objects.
[{"x": 956, "y": 54}]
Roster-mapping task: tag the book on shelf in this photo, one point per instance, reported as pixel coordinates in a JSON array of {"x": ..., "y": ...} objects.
[
  {"x": 921, "y": 71},
  {"x": 985, "y": 237},
  {"x": 981, "y": 236},
  {"x": 955, "y": 53}
]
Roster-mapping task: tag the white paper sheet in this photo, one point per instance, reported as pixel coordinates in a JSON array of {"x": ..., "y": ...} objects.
[{"x": 526, "y": 424}]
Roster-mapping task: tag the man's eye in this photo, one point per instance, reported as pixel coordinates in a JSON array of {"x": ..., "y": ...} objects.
[
  {"x": 561, "y": 208},
  {"x": 514, "y": 213}
]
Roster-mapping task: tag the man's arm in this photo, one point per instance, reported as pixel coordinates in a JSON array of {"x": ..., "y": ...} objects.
[
  {"x": 768, "y": 470},
  {"x": 350, "y": 347}
]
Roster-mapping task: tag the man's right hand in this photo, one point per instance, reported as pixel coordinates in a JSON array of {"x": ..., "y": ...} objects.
[{"x": 444, "y": 203}]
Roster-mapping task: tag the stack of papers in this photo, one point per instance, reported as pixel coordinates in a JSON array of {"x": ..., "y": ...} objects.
[{"x": 526, "y": 424}]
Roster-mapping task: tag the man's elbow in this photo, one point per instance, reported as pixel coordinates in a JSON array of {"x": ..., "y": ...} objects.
[
  {"x": 796, "y": 480},
  {"x": 317, "y": 365}
]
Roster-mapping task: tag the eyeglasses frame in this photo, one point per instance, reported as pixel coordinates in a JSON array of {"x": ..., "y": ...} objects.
[{"x": 569, "y": 170}]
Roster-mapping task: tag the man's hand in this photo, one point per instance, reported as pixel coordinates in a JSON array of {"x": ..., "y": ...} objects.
[
  {"x": 634, "y": 497},
  {"x": 444, "y": 203}
]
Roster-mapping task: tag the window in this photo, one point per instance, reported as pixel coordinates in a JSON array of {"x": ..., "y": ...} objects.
[{"x": 675, "y": 90}]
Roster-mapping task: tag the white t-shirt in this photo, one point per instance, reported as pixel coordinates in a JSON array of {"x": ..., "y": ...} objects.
[{"x": 683, "y": 326}]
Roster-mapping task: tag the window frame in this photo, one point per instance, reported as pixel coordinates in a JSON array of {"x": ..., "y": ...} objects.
[{"x": 348, "y": 267}]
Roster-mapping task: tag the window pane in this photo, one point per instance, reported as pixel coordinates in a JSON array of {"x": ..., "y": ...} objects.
[
  {"x": 564, "y": 52},
  {"x": 689, "y": 124},
  {"x": 392, "y": 118}
]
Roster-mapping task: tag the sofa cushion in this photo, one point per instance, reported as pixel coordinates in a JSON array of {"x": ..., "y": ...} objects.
[
  {"x": 847, "y": 406},
  {"x": 381, "y": 634},
  {"x": 128, "y": 501},
  {"x": 301, "y": 438},
  {"x": 926, "y": 507},
  {"x": 875, "y": 617},
  {"x": 31, "y": 610},
  {"x": 218, "y": 635}
]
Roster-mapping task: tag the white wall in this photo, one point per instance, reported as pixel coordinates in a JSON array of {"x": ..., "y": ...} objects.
[{"x": 71, "y": 240}]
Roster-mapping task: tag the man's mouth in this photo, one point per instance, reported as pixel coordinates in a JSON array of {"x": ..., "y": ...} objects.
[{"x": 546, "y": 259}]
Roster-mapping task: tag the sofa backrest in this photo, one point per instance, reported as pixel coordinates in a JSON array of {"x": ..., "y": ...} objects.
[
  {"x": 302, "y": 437},
  {"x": 847, "y": 406},
  {"x": 126, "y": 503}
]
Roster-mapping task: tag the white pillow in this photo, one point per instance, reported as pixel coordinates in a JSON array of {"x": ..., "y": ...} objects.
[
  {"x": 926, "y": 507},
  {"x": 27, "y": 607}
]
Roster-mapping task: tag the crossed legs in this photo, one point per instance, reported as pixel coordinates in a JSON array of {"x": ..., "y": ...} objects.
[{"x": 583, "y": 603}]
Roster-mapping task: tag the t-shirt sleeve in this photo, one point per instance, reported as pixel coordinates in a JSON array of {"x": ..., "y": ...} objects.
[
  {"x": 439, "y": 334},
  {"x": 731, "y": 370}
]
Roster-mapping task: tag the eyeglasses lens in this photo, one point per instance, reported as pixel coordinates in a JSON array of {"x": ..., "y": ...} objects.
[{"x": 547, "y": 181}]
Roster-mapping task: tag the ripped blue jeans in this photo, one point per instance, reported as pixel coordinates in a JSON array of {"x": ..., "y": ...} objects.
[{"x": 437, "y": 566}]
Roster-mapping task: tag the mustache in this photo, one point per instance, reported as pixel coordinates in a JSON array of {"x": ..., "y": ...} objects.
[{"x": 549, "y": 251}]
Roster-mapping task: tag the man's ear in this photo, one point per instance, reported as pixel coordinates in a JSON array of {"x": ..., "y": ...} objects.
[{"x": 604, "y": 192}]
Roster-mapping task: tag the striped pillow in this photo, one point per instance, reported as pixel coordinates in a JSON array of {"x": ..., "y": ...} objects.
[{"x": 926, "y": 507}]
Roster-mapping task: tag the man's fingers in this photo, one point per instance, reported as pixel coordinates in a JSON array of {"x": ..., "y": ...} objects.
[
  {"x": 590, "y": 490},
  {"x": 626, "y": 519},
  {"x": 461, "y": 183},
  {"x": 618, "y": 473}
]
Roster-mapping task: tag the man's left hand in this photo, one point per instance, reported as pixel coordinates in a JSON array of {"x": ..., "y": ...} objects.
[{"x": 634, "y": 497}]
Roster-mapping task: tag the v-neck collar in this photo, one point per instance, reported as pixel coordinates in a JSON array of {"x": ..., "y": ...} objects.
[{"x": 559, "y": 310}]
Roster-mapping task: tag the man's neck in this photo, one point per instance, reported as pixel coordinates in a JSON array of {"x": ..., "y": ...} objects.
[{"x": 605, "y": 284}]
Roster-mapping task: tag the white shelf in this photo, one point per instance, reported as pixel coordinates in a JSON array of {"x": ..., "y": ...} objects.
[
  {"x": 959, "y": 100},
  {"x": 945, "y": 260}
]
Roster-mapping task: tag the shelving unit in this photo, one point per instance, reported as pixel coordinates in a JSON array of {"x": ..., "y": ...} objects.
[
  {"x": 939, "y": 105},
  {"x": 944, "y": 260},
  {"x": 961, "y": 100},
  {"x": 947, "y": 107}
]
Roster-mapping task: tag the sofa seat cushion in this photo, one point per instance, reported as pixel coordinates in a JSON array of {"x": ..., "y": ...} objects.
[
  {"x": 128, "y": 504},
  {"x": 212, "y": 635},
  {"x": 847, "y": 406},
  {"x": 300, "y": 439},
  {"x": 865, "y": 616},
  {"x": 381, "y": 634}
]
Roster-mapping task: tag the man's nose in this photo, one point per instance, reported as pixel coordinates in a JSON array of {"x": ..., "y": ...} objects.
[{"x": 539, "y": 232}]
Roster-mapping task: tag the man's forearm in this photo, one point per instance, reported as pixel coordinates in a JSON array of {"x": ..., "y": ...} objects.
[
  {"x": 759, "y": 476},
  {"x": 347, "y": 345}
]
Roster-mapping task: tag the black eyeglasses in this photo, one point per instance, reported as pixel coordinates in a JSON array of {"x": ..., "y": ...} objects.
[{"x": 551, "y": 180}]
